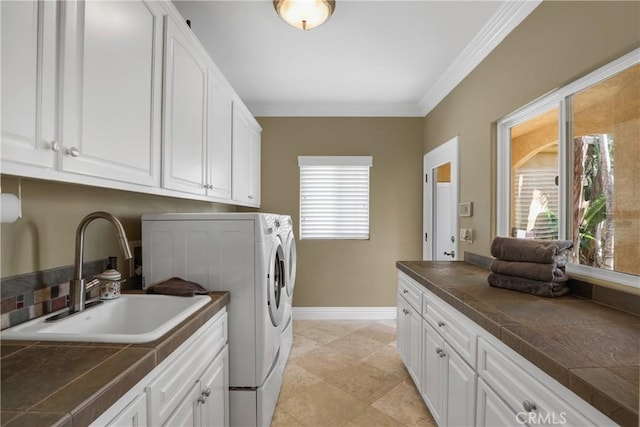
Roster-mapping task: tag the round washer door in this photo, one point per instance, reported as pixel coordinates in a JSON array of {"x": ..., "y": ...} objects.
[
  {"x": 291, "y": 256},
  {"x": 276, "y": 280}
]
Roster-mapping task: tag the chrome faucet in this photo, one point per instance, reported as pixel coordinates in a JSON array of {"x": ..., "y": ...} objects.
[{"x": 78, "y": 287}]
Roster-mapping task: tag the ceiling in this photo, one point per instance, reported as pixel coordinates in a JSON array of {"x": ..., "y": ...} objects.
[{"x": 371, "y": 58}]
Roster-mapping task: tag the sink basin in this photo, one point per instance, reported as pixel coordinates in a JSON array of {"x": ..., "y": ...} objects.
[{"x": 128, "y": 319}]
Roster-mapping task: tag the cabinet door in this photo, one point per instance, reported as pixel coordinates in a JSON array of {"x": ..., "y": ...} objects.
[
  {"x": 241, "y": 156},
  {"x": 492, "y": 411},
  {"x": 433, "y": 372},
  {"x": 29, "y": 73},
  {"x": 461, "y": 390},
  {"x": 218, "y": 139},
  {"x": 254, "y": 166},
  {"x": 112, "y": 88},
  {"x": 184, "y": 155},
  {"x": 215, "y": 392},
  {"x": 134, "y": 415},
  {"x": 186, "y": 413},
  {"x": 401, "y": 332},
  {"x": 414, "y": 345}
]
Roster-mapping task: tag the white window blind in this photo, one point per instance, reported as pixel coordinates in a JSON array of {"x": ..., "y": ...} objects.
[{"x": 334, "y": 197}]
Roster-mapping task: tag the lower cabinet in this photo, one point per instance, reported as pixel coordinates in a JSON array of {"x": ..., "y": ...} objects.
[
  {"x": 206, "y": 403},
  {"x": 448, "y": 382},
  {"x": 409, "y": 338},
  {"x": 189, "y": 388},
  {"x": 468, "y": 377},
  {"x": 492, "y": 411},
  {"x": 134, "y": 415}
]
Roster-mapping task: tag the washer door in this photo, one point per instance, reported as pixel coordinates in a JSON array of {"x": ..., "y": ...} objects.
[
  {"x": 276, "y": 280},
  {"x": 290, "y": 253}
]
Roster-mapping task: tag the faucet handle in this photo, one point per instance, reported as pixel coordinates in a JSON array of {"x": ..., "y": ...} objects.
[{"x": 91, "y": 284}]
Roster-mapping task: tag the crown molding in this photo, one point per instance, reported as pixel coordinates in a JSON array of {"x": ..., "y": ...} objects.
[
  {"x": 335, "y": 110},
  {"x": 505, "y": 20}
]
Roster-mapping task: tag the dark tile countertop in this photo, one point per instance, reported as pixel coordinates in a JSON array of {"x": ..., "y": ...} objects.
[
  {"x": 590, "y": 348},
  {"x": 62, "y": 383}
]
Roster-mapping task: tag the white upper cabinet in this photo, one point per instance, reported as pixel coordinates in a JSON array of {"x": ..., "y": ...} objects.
[
  {"x": 218, "y": 139},
  {"x": 111, "y": 90},
  {"x": 246, "y": 158},
  {"x": 121, "y": 94},
  {"x": 185, "y": 118},
  {"x": 29, "y": 50}
]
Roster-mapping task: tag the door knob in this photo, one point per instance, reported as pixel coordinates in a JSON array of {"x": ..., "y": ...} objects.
[
  {"x": 73, "y": 152},
  {"x": 452, "y": 254},
  {"x": 53, "y": 146}
]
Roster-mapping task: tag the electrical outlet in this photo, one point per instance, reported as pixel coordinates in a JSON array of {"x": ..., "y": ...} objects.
[{"x": 466, "y": 235}]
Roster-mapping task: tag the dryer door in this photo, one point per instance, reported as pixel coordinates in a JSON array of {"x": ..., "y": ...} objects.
[
  {"x": 290, "y": 254},
  {"x": 276, "y": 282}
]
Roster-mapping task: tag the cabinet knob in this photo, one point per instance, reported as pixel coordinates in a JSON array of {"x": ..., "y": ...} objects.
[
  {"x": 73, "y": 152},
  {"x": 529, "y": 406},
  {"x": 438, "y": 350},
  {"x": 53, "y": 146},
  {"x": 250, "y": 197},
  {"x": 405, "y": 311},
  {"x": 202, "y": 399},
  {"x": 440, "y": 323},
  {"x": 443, "y": 354},
  {"x": 206, "y": 392},
  {"x": 404, "y": 291}
]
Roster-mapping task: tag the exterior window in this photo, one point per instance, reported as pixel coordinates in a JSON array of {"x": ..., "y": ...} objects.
[
  {"x": 334, "y": 197},
  {"x": 568, "y": 169}
]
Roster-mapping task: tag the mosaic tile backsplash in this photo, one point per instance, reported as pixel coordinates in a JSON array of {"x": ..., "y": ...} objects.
[{"x": 27, "y": 296}]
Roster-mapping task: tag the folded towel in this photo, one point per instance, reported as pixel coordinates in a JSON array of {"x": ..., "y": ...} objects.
[
  {"x": 531, "y": 270},
  {"x": 535, "y": 287},
  {"x": 177, "y": 287},
  {"x": 525, "y": 250}
]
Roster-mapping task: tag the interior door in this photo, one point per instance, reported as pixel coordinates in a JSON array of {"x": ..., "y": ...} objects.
[{"x": 440, "y": 210}]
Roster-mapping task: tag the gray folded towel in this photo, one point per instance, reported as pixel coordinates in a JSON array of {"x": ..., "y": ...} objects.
[
  {"x": 531, "y": 270},
  {"x": 177, "y": 287},
  {"x": 535, "y": 287},
  {"x": 526, "y": 250}
]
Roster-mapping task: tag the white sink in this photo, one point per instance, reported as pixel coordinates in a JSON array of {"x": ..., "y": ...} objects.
[{"x": 128, "y": 319}]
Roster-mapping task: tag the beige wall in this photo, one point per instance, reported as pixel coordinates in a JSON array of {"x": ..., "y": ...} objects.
[
  {"x": 349, "y": 273},
  {"x": 45, "y": 235},
  {"x": 558, "y": 43}
]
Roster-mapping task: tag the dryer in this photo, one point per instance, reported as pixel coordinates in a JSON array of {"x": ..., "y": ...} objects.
[
  {"x": 285, "y": 231},
  {"x": 241, "y": 253}
]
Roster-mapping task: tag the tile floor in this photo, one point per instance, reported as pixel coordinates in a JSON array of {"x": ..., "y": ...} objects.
[{"x": 347, "y": 373}]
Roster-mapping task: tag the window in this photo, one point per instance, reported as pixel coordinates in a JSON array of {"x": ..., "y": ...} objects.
[
  {"x": 334, "y": 197},
  {"x": 568, "y": 169}
]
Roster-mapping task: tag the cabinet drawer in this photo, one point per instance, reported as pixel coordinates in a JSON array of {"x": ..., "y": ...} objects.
[
  {"x": 529, "y": 398},
  {"x": 410, "y": 291},
  {"x": 168, "y": 389},
  {"x": 456, "y": 329}
]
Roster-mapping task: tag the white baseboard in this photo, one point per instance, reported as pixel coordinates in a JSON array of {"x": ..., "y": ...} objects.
[{"x": 344, "y": 313}]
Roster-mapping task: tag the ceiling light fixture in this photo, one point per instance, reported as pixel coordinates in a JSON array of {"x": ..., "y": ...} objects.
[{"x": 304, "y": 14}]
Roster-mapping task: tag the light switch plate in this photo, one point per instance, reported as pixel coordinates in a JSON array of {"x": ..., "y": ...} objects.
[{"x": 466, "y": 235}]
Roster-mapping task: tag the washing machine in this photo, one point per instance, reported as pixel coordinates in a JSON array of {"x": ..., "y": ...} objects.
[
  {"x": 241, "y": 253},
  {"x": 285, "y": 231}
]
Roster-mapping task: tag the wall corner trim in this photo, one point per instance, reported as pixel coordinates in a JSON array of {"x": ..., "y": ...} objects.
[
  {"x": 505, "y": 20},
  {"x": 344, "y": 313}
]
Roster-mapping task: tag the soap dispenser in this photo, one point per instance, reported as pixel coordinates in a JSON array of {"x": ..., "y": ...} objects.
[{"x": 110, "y": 280}]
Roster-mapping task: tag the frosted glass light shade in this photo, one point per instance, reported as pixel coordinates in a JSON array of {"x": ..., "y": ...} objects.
[{"x": 304, "y": 14}]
